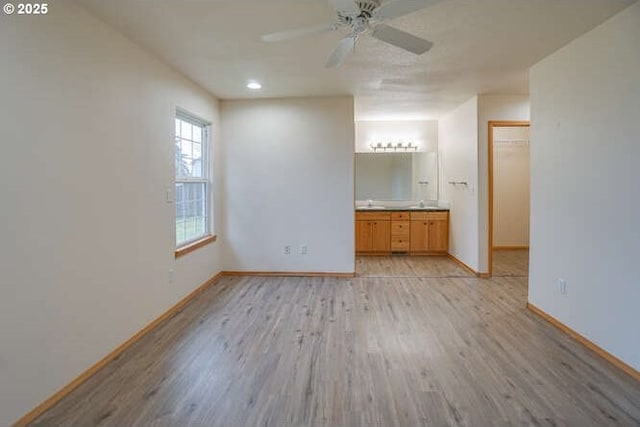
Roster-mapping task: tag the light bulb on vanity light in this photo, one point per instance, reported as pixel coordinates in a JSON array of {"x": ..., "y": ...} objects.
[
  {"x": 394, "y": 146},
  {"x": 254, "y": 85}
]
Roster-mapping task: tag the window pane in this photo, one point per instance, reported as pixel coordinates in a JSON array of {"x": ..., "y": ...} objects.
[
  {"x": 182, "y": 161},
  {"x": 178, "y": 127},
  {"x": 196, "y": 161},
  {"x": 197, "y": 151},
  {"x": 185, "y": 149},
  {"x": 185, "y": 132},
  {"x": 197, "y": 133},
  {"x": 188, "y": 159},
  {"x": 191, "y": 212}
]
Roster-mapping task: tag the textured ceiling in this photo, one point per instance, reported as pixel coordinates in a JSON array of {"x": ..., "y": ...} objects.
[{"x": 481, "y": 47}]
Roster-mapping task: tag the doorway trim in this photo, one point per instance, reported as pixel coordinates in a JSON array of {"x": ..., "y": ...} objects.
[{"x": 496, "y": 124}]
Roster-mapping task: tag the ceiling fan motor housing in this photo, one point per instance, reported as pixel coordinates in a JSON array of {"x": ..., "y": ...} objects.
[{"x": 366, "y": 11}]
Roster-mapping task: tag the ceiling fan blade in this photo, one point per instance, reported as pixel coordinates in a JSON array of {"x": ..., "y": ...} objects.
[
  {"x": 401, "y": 39},
  {"x": 399, "y": 8},
  {"x": 340, "y": 52},
  {"x": 346, "y": 7},
  {"x": 299, "y": 32}
]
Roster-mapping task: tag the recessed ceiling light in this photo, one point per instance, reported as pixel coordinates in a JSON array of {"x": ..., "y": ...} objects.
[{"x": 254, "y": 85}]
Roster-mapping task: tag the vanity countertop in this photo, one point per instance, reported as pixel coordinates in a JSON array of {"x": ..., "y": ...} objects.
[{"x": 400, "y": 209}]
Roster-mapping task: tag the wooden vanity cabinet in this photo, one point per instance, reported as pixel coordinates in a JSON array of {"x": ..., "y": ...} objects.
[
  {"x": 373, "y": 232},
  {"x": 429, "y": 232},
  {"x": 415, "y": 233},
  {"x": 400, "y": 231}
]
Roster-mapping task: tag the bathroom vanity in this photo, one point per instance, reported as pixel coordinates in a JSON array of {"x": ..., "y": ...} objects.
[
  {"x": 405, "y": 225},
  {"x": 415, "y": 231}
]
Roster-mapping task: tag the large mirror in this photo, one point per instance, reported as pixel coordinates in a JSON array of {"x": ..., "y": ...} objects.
[{"x": 397, "y": 176}]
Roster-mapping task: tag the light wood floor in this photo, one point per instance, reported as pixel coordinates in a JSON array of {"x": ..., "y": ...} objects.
[
  {"x": 408, "y": 266},
  {"x": 370, "y": 351},
  {"x": 510, "y": 262},
  {"x": 506, "y": 262}
]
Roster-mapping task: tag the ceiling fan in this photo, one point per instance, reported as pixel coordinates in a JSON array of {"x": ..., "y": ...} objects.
[{"x": 360, "y": 17}]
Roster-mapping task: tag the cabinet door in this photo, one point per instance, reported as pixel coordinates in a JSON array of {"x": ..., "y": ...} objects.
[
  {"x": 419, "y": 241},
  {"x": 381, "y": 241},
  {"x": 438, "y": 235},
  {"x": 364, "y": 236}
]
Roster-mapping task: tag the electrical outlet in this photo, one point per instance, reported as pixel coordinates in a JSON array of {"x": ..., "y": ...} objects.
[
  {"x": 287, "y": 250},
  {"x": 303, "y": 249},
  {"x": 562, "y": 286}
]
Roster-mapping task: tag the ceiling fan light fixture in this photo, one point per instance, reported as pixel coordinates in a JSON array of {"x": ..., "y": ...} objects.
[
  {"x": 254, "y": 85},
  {"x": 360, "y": 16}
]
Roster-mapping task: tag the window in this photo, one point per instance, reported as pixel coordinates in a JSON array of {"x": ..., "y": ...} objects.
[{"x": 192, "y": 179}]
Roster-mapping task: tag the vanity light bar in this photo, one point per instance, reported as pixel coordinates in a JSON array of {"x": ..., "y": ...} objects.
[{"x": 390, "y": 146}]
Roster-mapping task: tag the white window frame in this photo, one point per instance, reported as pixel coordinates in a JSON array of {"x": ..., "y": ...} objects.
[{"x": 185, "y": 116}]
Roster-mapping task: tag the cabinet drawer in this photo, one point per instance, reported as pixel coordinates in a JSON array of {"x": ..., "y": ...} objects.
[
  {"x": 400, "y": 228},
  {"x": 399, "y": 216},
  {"x": 399, "y": 243},
  {"x": 370, "y": 216},
  {"x": 421, "y": 216}
]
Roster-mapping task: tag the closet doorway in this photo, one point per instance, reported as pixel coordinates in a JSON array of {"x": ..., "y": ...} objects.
[{"x": 509, "y": 189}]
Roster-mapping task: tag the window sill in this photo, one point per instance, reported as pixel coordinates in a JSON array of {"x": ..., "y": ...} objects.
[{"x": 182, "y": 251}]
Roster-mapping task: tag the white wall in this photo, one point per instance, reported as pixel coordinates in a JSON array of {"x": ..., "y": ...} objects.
[
  {"x": 289, "y": 175},
  {"x": 458, "y": 148},
  {"x": 490, "y": 108},
  {"x": 585, "y": 101},
  {"x": 511, "y": 176},
  {"x": 86, "y": 241},
  {"x": 424, "y": 133}
]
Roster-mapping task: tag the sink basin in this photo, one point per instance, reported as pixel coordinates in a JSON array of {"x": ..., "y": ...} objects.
[
  {"x": 371, "y": 208},
  {"x": 424, "y": 207}
]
